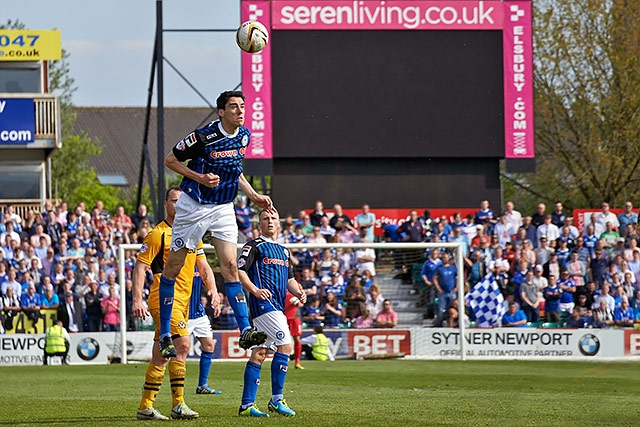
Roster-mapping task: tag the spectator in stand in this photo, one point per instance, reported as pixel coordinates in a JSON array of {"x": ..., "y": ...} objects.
[
  {"x": 53, "y": 229},
  {"x": 543, "y": 252},
  {"x": 308, "y": 283},
  {"x": 332, "y": 310},
  {"x": 597, "y": 229},
  {"x": 374, "y": 301},
  {"x": 480, "y": 239},
  {"x": 427, "y": 272},
  {"x": 111, "y": 283},
  {"x": 573, "y": 230},
  {"x": 577, "y": 270},
  {"x": 529, "y": 230},
  {"x": 50, "y": 298},
  {"x": 243, "y": 216},
  {"x": 356, "y": 297},
  {"x": 635, "y": 302},
  {"x": 445, "y": 282},
  {"x": 605, "y": 215},
  {"x": 514, "y": 318},
  {"x": 326, "y": 230},
  {"x": 10, "y": 307},
  {"x": 70, "y": 313},
  {"x": 627, "y": 217},
  {"x": 12, "y": 282},
  {"x": 365, "y": 260},
  {"x": 4, "y": 274},
  {"x": 140, "y": 214},
  {"x": 583, "y": 306},
  {"x": 312, "y": 313},
  {"x": 339, "y": 220},
  {"x": 632, "y": 246},
  {"x": 317, "y": 213},
  {"x": 575, "y": 320},
  {"x": 346, "y": 234},
  {"x": 606, "y": 297},
  {"x": 73, "y": 223},
  {"x": 111, "y": 311},
  {"x": 504, "y": 231},
  {"x": 125, "y": 220},
  {"x": 469, "y": 230},
  {"x": 609, "y": 236},
  {"x": 93, "y": 303},
  {"x": 558, "y": 216},
  {"x": 563, "y": 252},
  {"x": 387, "y": 318},
  {"x": 30, "y": 303},
  {"x": 36, "y": 239},
  {"x": 529, "y": 297},
  {"x": 603, "y": 313},
  {"x": 537, "y": 219},
  {"x": 364, "y": 321},
  {"x": 548, "y": 229},
  {"x": 598, "y": 266},
  {"x": 552, "y": 266},
  {"x": 513, "y": 216},
  {"x": 11, "y": 217},
  {"x": 366, "y": 220},
  {"x": 35, "y": 271},
  {"x": 552, "y": 294},
  {"x": 484, "y": 214},
  {"x": 10, "y": 232}
]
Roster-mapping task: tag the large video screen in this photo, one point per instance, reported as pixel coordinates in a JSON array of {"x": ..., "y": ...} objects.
[{"x": 387, "y": 93}]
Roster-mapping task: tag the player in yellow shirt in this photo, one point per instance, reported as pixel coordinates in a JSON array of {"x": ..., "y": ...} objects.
[{"x": 153, "y": 255}]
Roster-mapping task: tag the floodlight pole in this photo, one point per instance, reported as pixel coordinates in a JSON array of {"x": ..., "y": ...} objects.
[{"x": 160, "y": 113}]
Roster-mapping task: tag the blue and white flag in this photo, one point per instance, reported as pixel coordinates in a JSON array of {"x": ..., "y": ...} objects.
[{"x": 487, "y": 302}]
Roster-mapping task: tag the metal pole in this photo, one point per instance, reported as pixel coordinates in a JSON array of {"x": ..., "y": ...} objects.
[
  {"x": 123, "y": 313},
  {"x": 145, "y": 140},
  {"x": 461, "y": 307},
  {"x": 160, "y": 112}
]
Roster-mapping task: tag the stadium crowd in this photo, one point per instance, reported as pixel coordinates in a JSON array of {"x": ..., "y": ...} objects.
[{"x": 66, "y": 260}]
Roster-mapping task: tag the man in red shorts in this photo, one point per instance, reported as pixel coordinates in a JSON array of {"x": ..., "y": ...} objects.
[{"x": 292, "y": 303}]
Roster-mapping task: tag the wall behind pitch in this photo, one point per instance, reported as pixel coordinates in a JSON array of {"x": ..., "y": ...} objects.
[{"x": 385, "y": 183}]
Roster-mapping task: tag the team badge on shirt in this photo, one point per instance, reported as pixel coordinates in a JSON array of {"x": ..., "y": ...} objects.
[
  {"x": 241, "y": 262},
  {"x": 245, "y": 141},
  {"x": 181, "y": 146},
  {"x": 144, "y": 248}
]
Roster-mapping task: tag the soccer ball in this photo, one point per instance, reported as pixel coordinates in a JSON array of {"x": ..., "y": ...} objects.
[{"x": 252, "y": 36}]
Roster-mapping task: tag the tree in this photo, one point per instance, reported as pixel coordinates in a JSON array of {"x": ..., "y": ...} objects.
[{"x": 587, "y": 101}]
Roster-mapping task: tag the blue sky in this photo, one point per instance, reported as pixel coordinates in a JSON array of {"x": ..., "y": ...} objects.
[{"x": 111, "y": 44}]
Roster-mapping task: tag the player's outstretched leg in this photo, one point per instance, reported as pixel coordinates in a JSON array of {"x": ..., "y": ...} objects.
[
  {"x": 152, "y": 383},
  {"x": 279, "y": 366},
  {"x": 249, "y": 336},
  {"x": 248, "y": 407},
  {"x": 167, "y": 349}
]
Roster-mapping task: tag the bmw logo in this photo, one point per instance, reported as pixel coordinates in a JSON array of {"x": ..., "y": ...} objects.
[
  {"x": 88, "y": 349},
  {"x": 589, "y": 345}
]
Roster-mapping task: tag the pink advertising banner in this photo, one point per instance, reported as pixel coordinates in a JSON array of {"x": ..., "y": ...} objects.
[
  {"x": 517, "y": 36},
  {"x": 256, "y": 85},
  {"x": 513, "y": 17},
  {"x": 386, "y": 15}
]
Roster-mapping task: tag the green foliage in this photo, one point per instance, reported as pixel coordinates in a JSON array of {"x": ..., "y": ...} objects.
[
  {"x": 342, "y": 393},
  {"x": 587, "y": 100}
]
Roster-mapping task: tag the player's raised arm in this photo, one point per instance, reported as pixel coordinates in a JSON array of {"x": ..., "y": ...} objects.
[
  {"x": 208, "y": 179},
  {"x": 261, "y": 200},
  {"x": 138, "y": 307},
  {"x": 206, "y": 274}
]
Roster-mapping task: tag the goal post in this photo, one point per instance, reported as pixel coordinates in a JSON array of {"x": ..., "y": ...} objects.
[{"x": 456, "y": 248}]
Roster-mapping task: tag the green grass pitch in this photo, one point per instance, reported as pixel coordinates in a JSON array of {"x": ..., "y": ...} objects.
[{"x": 344, "y": 393}]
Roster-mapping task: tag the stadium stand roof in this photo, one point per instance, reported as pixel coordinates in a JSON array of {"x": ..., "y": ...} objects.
[{"x": 120, "y": 131}]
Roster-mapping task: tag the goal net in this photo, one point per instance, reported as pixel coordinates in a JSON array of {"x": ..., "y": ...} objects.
[{"x": 329, "y": 272}]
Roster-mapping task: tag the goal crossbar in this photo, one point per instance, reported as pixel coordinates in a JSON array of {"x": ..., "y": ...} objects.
[{"x": 456, "y": 248}]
